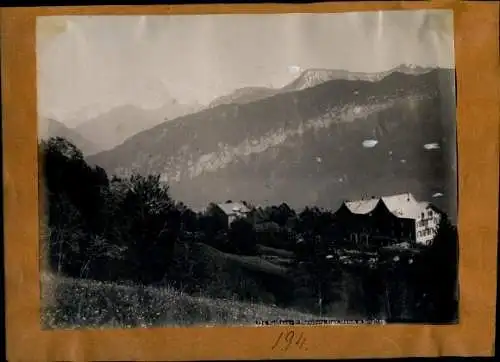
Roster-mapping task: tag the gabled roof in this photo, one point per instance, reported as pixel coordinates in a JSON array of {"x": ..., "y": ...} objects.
[
  {"x": 404, "y": 206},
  {"x": 361, "y": 207},
  {"x": 231, "y": 208}
]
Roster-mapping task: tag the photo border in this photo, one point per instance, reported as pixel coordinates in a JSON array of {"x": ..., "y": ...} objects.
[{"x": 477, "y": 67}]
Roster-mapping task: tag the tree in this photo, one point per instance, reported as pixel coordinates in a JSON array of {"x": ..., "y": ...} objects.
[
  {"x": 242, "y": 236},
  {"x": 279, "y": 214},
  {"x": 307, "y": 217},
  {"x": 189, "y": 220},
  {"x": 317, "y": 273},
  {"x": 213, "y": 226},
  {"x": 104, "y": 260},
  {"x": 152, "y": 223},
  {"x": 438, "y": 275},
  {"x": 118, "y": 229},
  {"x": 73, "y": 201},
  {"x": 315, "y": 221}
]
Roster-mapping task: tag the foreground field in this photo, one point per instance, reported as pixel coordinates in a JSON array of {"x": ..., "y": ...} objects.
[{"x": 73, "y": 304}]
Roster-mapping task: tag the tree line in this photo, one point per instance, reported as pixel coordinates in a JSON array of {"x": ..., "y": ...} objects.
[{"x": 131, "y": 230}]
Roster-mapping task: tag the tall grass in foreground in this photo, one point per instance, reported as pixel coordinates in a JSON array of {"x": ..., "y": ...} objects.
[{"x": 72, "y": 304}]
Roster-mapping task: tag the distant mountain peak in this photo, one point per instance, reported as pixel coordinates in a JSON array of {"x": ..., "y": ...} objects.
[
  {"x": 315, "y": 71},
  {"x": 244, "y": 95},
  {"x": 311, "y": 77},
  {"x": 50, "y": 127},
  {"x": 114, "y": 126},
  {"x": 410, "y": 68},
  {"x": 315, "y": 76}
]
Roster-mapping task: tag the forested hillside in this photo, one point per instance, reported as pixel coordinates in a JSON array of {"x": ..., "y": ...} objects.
[{"x": 130, "y": 231}]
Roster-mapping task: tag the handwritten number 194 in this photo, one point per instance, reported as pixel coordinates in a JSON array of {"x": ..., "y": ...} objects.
[{"x": 285, "y": 340}]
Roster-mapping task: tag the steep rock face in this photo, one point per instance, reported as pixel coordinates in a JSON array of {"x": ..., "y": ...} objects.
[
  {"x": 306, "y": 147},
  {"x": 313, "y": 77},
  {"x": 327, "y": 164},
  {"x": 245, "y": 95}
]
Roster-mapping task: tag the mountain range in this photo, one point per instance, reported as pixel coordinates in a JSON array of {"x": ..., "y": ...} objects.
[
  {"x": 99, "y": 130},
  {"x": 310, "y": 78},
  {"x": 305, "y": 145},
  {"x": 111, "y": 128},
  {"x": 105, "y": 130}
]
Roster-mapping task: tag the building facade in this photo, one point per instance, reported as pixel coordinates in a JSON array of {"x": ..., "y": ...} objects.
[
  {"x": 388, "y": 220},
  {"x": 427, "y": 225}
]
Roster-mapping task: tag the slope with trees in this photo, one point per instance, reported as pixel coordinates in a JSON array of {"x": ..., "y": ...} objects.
[{"x": 131, "y": 231}]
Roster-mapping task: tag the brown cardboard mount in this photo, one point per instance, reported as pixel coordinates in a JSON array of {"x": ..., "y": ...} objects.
[{"x": 477, "y": 64}]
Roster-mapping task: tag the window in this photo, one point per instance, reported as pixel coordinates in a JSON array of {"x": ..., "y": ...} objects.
[
  {"x": 429, "y": 213},
  {"x": 422, "y": 215}
]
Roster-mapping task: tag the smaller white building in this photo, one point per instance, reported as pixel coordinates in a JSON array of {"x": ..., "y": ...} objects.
[{"x": 233, "y": 211}]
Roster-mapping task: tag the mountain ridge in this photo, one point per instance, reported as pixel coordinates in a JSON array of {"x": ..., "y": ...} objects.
[
  {"x": 113, "y": 127},
  {"x": 309, "y": 78},
  {"x": 205, "y": 154},
  {"x": 343, "y": 87}
]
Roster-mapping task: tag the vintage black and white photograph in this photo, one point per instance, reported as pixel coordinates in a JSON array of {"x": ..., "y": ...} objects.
[{"x": 247, "y": 169}]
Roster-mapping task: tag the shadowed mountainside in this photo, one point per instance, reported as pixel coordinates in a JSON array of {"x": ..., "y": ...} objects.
[{"x": 305, "y": 146}]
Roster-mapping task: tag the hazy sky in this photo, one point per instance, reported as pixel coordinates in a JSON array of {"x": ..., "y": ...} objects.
[{"x": 94, "y": 63}]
